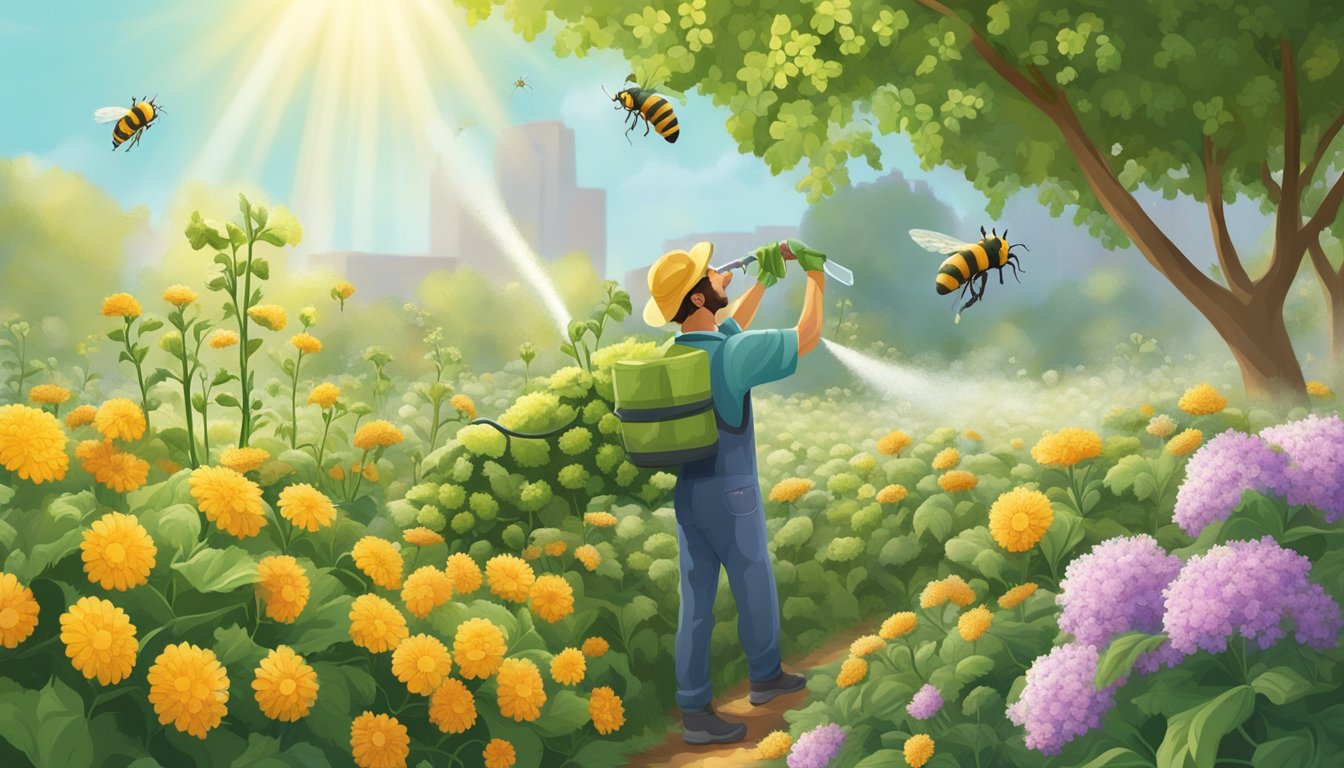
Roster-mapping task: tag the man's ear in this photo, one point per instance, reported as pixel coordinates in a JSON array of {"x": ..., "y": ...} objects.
[{"x": 698, "y": 299}]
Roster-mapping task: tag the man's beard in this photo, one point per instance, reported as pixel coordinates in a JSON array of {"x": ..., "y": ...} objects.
[{"x": 715, "y": 300}]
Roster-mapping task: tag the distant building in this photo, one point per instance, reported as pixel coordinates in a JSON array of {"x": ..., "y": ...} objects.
[
  {"x": 381, "y": 275},
  {"x": 727, "y": 246}
]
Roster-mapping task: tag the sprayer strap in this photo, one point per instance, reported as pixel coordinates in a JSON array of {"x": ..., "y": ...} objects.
[
  {"x": 511, "y": 433},
  {"x": 665, "y": 413}
]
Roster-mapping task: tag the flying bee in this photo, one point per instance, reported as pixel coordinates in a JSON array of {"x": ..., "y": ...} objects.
[
  {"x": 131, "y": 123},
  {"x": 968, "y": 264},
  {"x": 654, "y": 110},
  {"x": 520, "y": 84}
]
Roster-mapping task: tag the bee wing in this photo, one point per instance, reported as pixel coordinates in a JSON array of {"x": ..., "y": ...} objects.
[
  {"x": 110, "y": 114},
  {"x": 937, "y": 242}
]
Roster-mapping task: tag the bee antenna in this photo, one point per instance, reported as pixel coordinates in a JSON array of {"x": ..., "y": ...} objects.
[
  {"x": 604, "y": 90},
  {"x": 1005, "y": 234},
  {"x": 982, "y": 232}
]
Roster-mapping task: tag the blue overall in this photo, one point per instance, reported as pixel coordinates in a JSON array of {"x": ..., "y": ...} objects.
[{"x": 720, "y": 520}]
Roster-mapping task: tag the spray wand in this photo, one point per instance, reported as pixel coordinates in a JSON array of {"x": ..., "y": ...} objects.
[{"x": 836, "y": 272}]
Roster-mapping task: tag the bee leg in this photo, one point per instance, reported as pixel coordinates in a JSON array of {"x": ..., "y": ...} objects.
[
  {"x": 1000, "y": 275},
  {"x": 647, "y": 126},
  {"x": 1014, "y": 266}
]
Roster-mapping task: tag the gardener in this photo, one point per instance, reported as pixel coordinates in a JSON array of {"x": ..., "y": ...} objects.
[{"x": 720, "y": 520}]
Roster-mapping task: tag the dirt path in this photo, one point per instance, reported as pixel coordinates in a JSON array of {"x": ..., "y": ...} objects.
[{"x": 675, "y": 753}]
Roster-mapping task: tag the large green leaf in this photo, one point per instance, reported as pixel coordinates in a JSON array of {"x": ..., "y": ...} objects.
[
  {"x": 1118, "y": 659},
  {"x": 973, "y": 667},
  {"x": 1282, "y": 685},
  {"x": 177, "y": 526},
  {"x": 1117, "y": 757},
  {"x": 325, "y": 620},
  {"x": 882, "y": 759},
  {"x": 1255, "y": 516},
  {"x": 563, "y": 713},
  {"x": 1214, "y": 720},
  {"x": 47, "y": 725},
  {"x": 1065, "y": 533},
  {"x": 45, "y": 538},
  {"x": 264, "y": 752},
  {"x": 219, "y": 570},
  {"x": 1294, "y": 750},
  {"x": 343, "y": 691},
  {"x": 933, "y": 518}
]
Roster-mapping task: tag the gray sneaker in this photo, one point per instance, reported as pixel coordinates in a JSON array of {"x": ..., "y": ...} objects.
[
  {"x": 706, "y": 727},
  {"x": 767, "y": 690}
]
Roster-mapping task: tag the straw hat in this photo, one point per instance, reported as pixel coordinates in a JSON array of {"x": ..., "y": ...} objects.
[{"x": 671, "y": 278}]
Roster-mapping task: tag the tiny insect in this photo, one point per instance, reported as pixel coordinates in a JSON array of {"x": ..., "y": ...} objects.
[
  {"x": 654, "y": 110},
  {"x": 968, "y": 264},
  {"x": 520, "y": 84},
  {"x": 131, "y": 123}
]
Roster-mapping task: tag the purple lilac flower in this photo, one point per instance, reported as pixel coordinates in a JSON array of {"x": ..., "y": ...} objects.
[
  {"x": 1315, "y": 448},
  {"x": 1248, "y": 587},
  {"x": 1116, "y": 588},
  {"x": 1060, "y": 701},
  {"x": 817, "y": 748},
  {"x": 926, "y": 703},
  {"x": 1220, "y": 471}
]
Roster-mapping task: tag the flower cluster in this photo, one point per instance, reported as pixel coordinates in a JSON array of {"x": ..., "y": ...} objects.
[
  {"x": 1220, "y": 471},
  {"x": 817, "y": 748},
  {"x": 926, "y": 703},
  {"x": 1116, "y": 588},
  {"x": 1066, "y": 447},
  {"x": 1315, "y": 446},
  {"x": 1060, "y": 701}
]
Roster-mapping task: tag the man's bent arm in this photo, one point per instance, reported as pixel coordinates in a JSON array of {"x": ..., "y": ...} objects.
[
  {"x": 810, "y": 321},
  {"x": 744, "y": 309}
]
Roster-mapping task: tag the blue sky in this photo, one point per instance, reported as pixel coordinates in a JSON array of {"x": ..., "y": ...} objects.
[{"x": 69, "y": 63}]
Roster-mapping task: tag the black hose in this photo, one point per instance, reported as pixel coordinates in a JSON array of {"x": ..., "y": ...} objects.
[{"x": 510, "y": 433}]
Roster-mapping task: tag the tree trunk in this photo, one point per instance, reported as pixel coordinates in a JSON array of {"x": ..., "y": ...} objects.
[{"x": 1258, "y": 337}]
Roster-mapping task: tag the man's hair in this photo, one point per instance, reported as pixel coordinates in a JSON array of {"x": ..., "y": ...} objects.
[{"x": 688, "y": 308}]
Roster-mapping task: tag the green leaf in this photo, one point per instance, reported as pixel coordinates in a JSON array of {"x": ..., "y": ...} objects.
[
  {"x": 999, "y": 21},
  {"x": 177, "y": 526},
  {"x": 150, "y": 324},
  {"x": 1120, "y": 656},
  {"x": 563, "y": 713},
  {"x": 973, "y": 667},
  {"x": 344, "y": 689},
  {"x": 1117, "y": 757},
  {"x": 934, "y": 518},
  {"x": 1255, "y": 516},
  {"x": 883, "y": 758},
  {"x": 261, "y": 268},
  {"x": 1214, "y": 720},
  {"x": 640, "y": 608},
  {"x": 117, "y": 334},
  {"x": 325, "y": 620},
  {"x": 48, "y": 726},
  {"x": 1065, "y": 533},
  {"x": 1296, "y": 749},
  {"x": 1282, "y": 685},
  {"x": 983, "y": 700},
  {"x": 227, "y": 400},
  {"x": 219, "y": 570},
  {"x": 44, "y": 539}
]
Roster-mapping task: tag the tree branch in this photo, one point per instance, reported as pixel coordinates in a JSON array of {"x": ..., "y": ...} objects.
[
  {"x": 1325, "y": 212},
  {"x": 1015, "y": 78},
  {"x": 1271, "y": 186},
  {"x": 1330, "y": 278},
  {"x": 1288, "y": 247},
  {"x": 1321, "y": 147},
  {"x": 1228, "y": 260}
]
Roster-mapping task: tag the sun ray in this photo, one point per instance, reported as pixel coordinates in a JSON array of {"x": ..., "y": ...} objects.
[{"x": 313, "y": 182}]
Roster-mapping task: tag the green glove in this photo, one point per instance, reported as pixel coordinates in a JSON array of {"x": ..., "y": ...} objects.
[
  {"x": 810, "y": 259},
  {"x": 769, "y": 264}
]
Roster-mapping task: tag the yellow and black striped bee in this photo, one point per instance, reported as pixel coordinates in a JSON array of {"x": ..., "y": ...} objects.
[
  {"x": 968, "y": 265},
  {"x": 131, "y": 123},
  {"x": 654, "y": 110}
]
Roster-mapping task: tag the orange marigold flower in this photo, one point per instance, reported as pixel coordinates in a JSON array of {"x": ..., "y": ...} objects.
[
  {"x": 479, "y": 648},
  {"x": 510, "y": 577},
  {"x": 898, "y": 624},
  {"x": 421, "y": 662},
  {"x": 568, "y": 667},
  {"x": 974, "y": 623},
  {"x": 81, "y": 416},
  {"x": 791, "y": 489},
  {"x": 552, "y": 597},
  {"x": 426, "y": 589},
  {"x": 282, "y": 586},
  {"x": 376, "y": 624},
  {"x": 851, "y": 672},
  {"x": 100, "y": 640},
  {"x": 893, "y": 443},
  {"x": 1014, "y": 597},
  {"x": 189, "y": 688},
  {"x": 269, "y": 316},
  {"x": 121, "y": 305},
  {"x": 464, "y": 572},
  {"x": 519, "y": 690},
  {"x": 377, "y": 434},
  {"x": 421, "y": 537},
  {"x": 324, "y": 395},
  {"x": 589, "y": 556},
  {"x": 18, "y": 611},
  {"x": 606, "y": 710},
  {"x": 306, "y": 343},
  {"x": 892, "y": 494},
  {"x": 228, "y": 500},
  {"x": 179, "y": 295},
  {"x": 1202, "y": 400},
  {"x": 957, "y": 480},
  {"x": 243, "y": 460},
  {"x": 306, "y": 507},
  {"x": 452, "y": 707},
  {"x": 118, "y": 552},
  {"x": 223, "y": 339},
  {"x": 48, "y": 394},
  {"x": 379, "y": 741},
  {"x": 464, "y": 405},
  {"x": 599, "y": 519},
  {"x": 1185, "y": 442},
  {"x": 1066, "y": 447},
  {"x": 285, "y": 686},
  {"x": 946, "y": 459},
  {"x": 499, "y": 754},
  {"x": 379, "y": 560},
  {"x": 594, "y": 647},
  {"x": 120, "y": 419}
]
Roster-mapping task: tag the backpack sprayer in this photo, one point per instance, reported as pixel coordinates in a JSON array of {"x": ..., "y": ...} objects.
[{"x": 664, "y": 404}]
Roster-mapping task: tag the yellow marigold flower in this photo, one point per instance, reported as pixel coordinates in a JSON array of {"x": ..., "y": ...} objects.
[
  {"x": 934, "y": 594},
  {"x": 189, "y": 689},
  {"x": 452, "y": 707},
  {"x": 380, "y": 560},
  {"x": 974, "y": 623},
  {"x": 117, "y": 552},
  {"x": 893, "y": 443},
  {"x": 229, "y": 500},
  {"x": 594, "y": 647},
  {"x": 282, "y": 585},
  {"x": 120, "y": 419},
  {"x": 379, "y": 741},
  {"x": 464, "y": 405},
  {"x": 121, "y": 305},
  {"x": 324, "y": 395},
  {"x": 285, "y": 686},
  {"x": 464, "y": 572},
  {"x": 422, "y": 663},
  {"x": 243, "y": 460},
  {"x": 269, "y": 316},
  {"x": 336, "y": 473},
  {"x": 421, "y": 537},
  {"x": 509, "y": 577},
  {"x": 376, "y": 624},
  {"x": 369, "y": 471},
  {"x": 114, "y": 468},
  {"x": 1015, "y": 596},
  {"x": 1202, "y": 400},
  {"x": 531, "y": 553},
  {"x": 568, "y": 667},
  {"x": 866, "y": 645},
  {"x": 851, "y": 672},
  {"x": 81, "y": 416},
  {"x": 377, "y": 434},
  {"x": 892, "y": 494},
  {"x": 1317, "y": 389},
  {"x": 791, "y": 489},
  {"x": 1019, "y": 518},
  {"x": 48, "y": 394},
  {"x": 946, "y": 459},
  {"x": 775, "y": 745},
  {"x": 971, "y": 434},
  {"x": 606, "y": 710},
  {"x": 918, "y": 750},
  {"x": 18, "y": 611},
  {"x": 179, "y": 295},
  {"x": 556, "y": 548},
  {"x": 1184, "y": 443},
  {"x": 1146, "y": 410},
  {"x": 499, "y": 754},
  {"x": 478, "y": 648},
  {"x": 957, "y": 480},
  {"x": 99, "y": 639},
  {"x": 958, "y": 591},
  {"x": 552, "y": 597},
  {"x": 600, "y": 519},
  {"x": 306, "y": 343},
  {"x": 898, "y": 624},
  {"x": 519, "y": 690},
  {"x": 168, "y": 466},
  {"x": 344, "y": 289},
  {"x": 306, "y": 507},
  {"x": 589, "y": 556},
  {"x": 223, "y": 339},
  {"x": 32, "y": 444},
  {"x": 1016, "y": 443},
  {"x": 1161, "y": 426},
  {"x": 426, "y": 589},
  {"x": 1066, "y": 447}
]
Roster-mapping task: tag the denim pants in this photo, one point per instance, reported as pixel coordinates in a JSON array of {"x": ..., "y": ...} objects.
[{"x": 721, "y": 523}]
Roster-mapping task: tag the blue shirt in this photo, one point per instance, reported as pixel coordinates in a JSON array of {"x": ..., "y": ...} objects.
[{"x": 740, "y": 360}]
